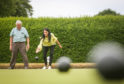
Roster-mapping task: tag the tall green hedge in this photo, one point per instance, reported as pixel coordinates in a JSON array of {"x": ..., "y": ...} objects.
[{"x": 77, "y": 35}]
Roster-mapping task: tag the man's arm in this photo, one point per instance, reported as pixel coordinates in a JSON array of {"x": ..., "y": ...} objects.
[
  {"x": 11, "y": 40},
  {"x": 28, "y": 41},
  {"x": 28, "y": 44}
]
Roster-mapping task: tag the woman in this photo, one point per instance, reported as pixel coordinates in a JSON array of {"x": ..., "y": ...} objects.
[{"x": 48, "y": 41}]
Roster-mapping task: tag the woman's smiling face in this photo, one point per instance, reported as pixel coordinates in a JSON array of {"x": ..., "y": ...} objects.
[{"x": 45, "y": 33}]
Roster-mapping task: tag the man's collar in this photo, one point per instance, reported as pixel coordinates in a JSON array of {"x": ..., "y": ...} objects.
[{"x": 18, "y": 29}]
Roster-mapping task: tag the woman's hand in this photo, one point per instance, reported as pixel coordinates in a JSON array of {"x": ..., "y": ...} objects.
[
  {"x": 37, "y": 50},
  {"x": 60, "y": 46}
]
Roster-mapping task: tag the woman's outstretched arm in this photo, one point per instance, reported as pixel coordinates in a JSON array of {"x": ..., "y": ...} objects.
[
  {"x": 39, "y": 48},
  {"x": 58, "y": 43}
]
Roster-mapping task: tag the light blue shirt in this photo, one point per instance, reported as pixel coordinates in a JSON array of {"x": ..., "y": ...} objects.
[{"x": 19, "y": 35}]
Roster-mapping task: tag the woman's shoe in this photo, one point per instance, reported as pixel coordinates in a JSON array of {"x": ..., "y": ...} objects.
[
  {"x": 44, "y": 67},
  {"x": 49, "y": 67}
]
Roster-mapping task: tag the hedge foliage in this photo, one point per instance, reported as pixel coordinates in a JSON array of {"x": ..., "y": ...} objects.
[{"x": 77, "y": 35}]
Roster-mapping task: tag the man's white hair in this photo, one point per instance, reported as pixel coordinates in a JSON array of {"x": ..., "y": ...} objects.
[{"x": 18, "y": 22}]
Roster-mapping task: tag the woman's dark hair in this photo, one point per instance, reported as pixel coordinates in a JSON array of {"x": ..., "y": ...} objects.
[{"x": 49, "y": 34}]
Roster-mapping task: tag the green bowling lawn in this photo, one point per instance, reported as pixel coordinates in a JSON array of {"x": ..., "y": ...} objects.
[{"x": 53, "y": 76}]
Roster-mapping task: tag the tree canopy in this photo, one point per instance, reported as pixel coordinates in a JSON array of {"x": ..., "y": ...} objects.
[
  {"x": 15, "y": 8},
  {"x": 107, "y": 12}
]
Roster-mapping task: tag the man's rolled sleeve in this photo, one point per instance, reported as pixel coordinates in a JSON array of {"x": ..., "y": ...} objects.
[
  {"x": 11, "y": 33},
  {"x": 26, "y": 33}
]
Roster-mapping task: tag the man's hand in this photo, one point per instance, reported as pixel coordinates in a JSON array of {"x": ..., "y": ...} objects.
[
  {"x": 10, "y": 47},
  {"x": 27, "y": 47}
]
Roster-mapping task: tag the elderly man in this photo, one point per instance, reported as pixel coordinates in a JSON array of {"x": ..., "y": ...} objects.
[{"x": 18, "y": 37}]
